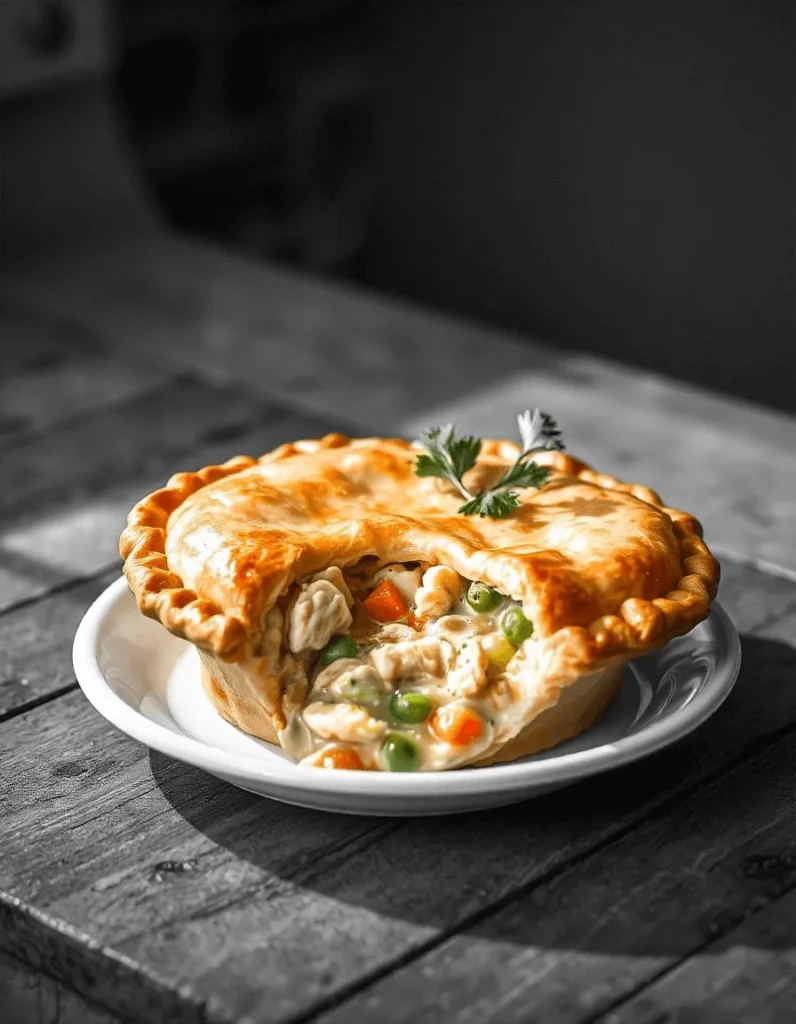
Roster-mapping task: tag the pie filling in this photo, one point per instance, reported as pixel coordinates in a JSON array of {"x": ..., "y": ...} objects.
[{"x": 408, "y": 667}]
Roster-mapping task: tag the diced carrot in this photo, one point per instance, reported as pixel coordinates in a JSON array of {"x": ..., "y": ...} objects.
[
  {"x": 458, "y": 726},
  {"x": 339, "y": 758},
  {"x": 386, "y": 603}
]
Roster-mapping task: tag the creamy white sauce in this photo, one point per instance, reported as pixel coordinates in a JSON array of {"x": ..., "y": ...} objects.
[{"x": 454, "y": 660}]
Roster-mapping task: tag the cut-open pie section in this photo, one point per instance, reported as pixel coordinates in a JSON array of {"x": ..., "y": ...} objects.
[{"x": 342, "y": 607}]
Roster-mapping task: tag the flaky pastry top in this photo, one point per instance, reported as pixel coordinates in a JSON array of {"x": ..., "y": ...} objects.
[{"x": 209, "y": 554}]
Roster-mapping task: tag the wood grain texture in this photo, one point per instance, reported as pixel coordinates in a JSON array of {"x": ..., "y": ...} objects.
[
  {"x": 749, "y": 975},
  {"x": 147, "y": 433},
  {"x": 73, "y": 488},
  {"x": 218, "y": 906},
  {"x": 29, "y": 997},
  {"x": 29, "y": 338},
  {"x": 51, "y": 372},
  {"x": 754, "y": 599},
  {"x": 389, "y": 368},
  {"x": 106, "y": 822},
  {"x": 601, "y": 930},
  {"x": 36, "y": 645},
  {"x": 321, "y": 345}
]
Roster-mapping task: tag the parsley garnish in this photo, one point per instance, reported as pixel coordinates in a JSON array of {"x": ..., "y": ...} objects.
[{"x": 449, "y": 456}]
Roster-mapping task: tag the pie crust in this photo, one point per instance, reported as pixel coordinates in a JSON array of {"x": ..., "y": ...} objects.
[{"x": 603, "y": 568}]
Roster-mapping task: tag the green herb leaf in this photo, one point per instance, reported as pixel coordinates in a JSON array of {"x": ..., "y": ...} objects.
[
  {"x": 430, "y": 465},
  {"x": 446, "y": 453},
  {"x": 448, "y": 456},
  {"x": 495, "y": 504},
  {"x": 524, "y": 474},
  {"x": 464, "y": 452}
]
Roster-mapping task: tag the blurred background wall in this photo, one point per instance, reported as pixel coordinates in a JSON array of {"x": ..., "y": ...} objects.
[
  {"x": 253, "y": 120},
  {"x": 612, "y": 176}
]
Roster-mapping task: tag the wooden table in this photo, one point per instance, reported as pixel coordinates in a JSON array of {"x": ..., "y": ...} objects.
[{"x": 137, "y": 888}]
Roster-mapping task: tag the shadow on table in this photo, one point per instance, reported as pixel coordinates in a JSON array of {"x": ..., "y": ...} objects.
[{"x": 701, "y": 864}]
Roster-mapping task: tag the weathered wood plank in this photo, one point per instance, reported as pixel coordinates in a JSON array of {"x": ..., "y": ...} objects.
[
  {"x": 36, "y": 644},
  {"x": 53, "y": 948},
  {"x": 749, "y": 975},
  {"x": 753, "y": 598},
  {"x": 29, "y": 997},
  {"x": 107, "y": 807},
  {"x": 31, "y": 341},
  {"x": 102, "y": 451},
  {"x": 73, "y": 488},
  {"x": 320, "y": 345},
  {"x": 50, "y": 372},
  {"x": 573, "y": 947},
  {"x": 253, "y": 910},
  {"x": 391, "y": 368}
]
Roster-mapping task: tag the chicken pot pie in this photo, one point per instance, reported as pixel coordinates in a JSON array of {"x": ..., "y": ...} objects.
[{"x": 342, "y": 606}]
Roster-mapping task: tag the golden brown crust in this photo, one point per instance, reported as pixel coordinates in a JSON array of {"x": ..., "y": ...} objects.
[
  {"x": 650, "y": 586},
  {"x": 160, "y": 592}
]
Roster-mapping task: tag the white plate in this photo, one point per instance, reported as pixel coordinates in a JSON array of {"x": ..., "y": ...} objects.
[{"x": 145, "y": 681}]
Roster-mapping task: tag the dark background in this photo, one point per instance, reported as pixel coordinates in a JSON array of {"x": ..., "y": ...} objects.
[{"x": 616, "y": 177}]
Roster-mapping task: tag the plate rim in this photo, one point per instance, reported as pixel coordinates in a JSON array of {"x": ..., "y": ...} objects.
[{"x": 288, "y": 776}]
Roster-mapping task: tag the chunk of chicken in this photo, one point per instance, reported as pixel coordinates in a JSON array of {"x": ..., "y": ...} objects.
[
  {"x": 410, "y": 659},
  {"x": 392, "y": 632},
  {"x": 335, "y": 576},
  {"x": 348, "y": 722},
  {"x": 470, "y": 672},
  {"x": 320, "y": 611},
  {"x": 440, "y": 590},
  {"x": 331, "y": 673},
  {"x": 350, "y": 679}
]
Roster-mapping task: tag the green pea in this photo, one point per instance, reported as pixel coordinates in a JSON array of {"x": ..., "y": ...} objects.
[
  {"x": 341, "y": 646},
  {"x": 410, "y": 707},
  {"x": 515, "y": 626},
  {"x": 482, "y": 598},
  {"x": 399, "y": 753}
]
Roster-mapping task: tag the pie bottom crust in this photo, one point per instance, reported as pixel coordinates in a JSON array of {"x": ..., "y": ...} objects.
[{"x": 576, "y": 708}]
